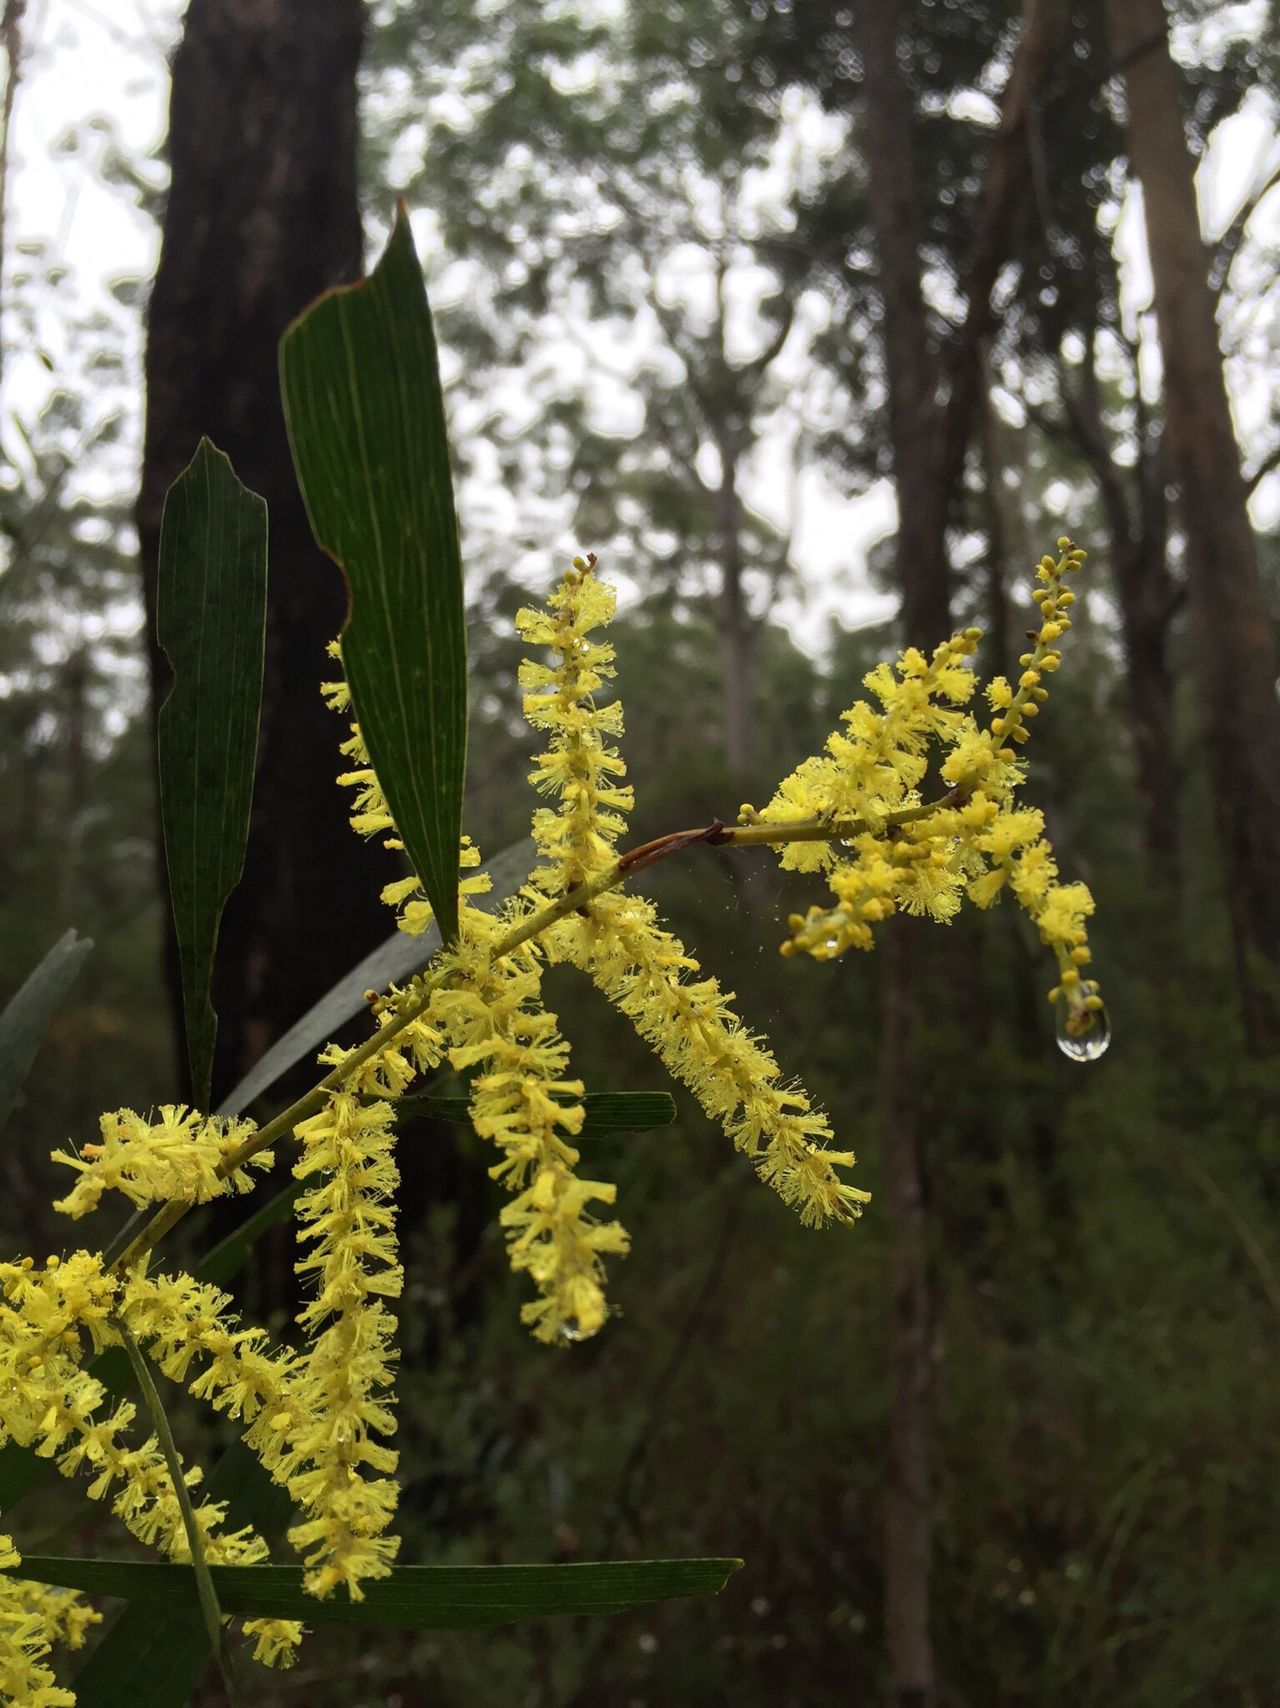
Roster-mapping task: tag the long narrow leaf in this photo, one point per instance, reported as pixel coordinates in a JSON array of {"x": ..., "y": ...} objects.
[
  {"x": 227, "y": 1258},
  {"x": 390, "y": 963},
  {"x": 211, "y": 607},
  {"x": 146, "y": 1662},
  {"x": 365, "y": 412},
  {"x": 28, "y": 1013},
  {"x": 603, "y": 1111},
  {"x": 418, "y": 1598}
]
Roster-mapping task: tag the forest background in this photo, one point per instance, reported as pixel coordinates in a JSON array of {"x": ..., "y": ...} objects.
[{"x": 717, "y": 283}]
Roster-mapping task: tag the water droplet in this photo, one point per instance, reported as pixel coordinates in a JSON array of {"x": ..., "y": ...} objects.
[
  {"x": 1083, "y": 1033},
  {"x": 569, "y": 1330},
  {"x": 831, "y": 944}
]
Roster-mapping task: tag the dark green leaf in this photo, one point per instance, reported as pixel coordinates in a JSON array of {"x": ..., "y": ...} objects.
[
  {"x": 391, "y": 963},
  {"x": 211, "y": 604},
  {"x": 227, "y": 1258},
  {"x": 418, "y": 1598},
  {"x": 29, "y": 1011},
  {"x": 146, "y": 1661},
  {"x": 604, "y": 1111},
  {"x": 155, "y": 1660},
  {"x": 365, "y": 413}
]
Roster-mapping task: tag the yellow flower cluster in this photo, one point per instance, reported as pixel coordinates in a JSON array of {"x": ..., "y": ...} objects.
[
  {"x": 524, "y": 1102},
  {"x": 488, "y": 1016},
  {"x": 619, "y": 940},
  {"x": 52, "y": 1317},
  {"x": 178, "y": 1156},
  {"x": 649, "y": 976},
  {"x": 33, "y": 1618},
  {"x": 580, "y": 767},
  {"x": 342, "y": 1386},
  {"x": 891, "y": 852}
]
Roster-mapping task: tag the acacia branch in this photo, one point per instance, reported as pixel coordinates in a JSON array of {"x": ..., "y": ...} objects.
[{"x": 142, "y": 1233}]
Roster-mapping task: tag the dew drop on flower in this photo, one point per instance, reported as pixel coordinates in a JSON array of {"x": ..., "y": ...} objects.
[
  {"x": 831, "y": 944},
  {"x": 1083, "y": 1033},
  {"x": 569, "y": 1330}
]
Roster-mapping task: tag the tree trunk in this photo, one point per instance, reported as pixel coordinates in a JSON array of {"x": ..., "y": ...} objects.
[
  {"x": 908, "y": 1514},
  {"x": 1234, "y": 652},
  {"x": 261, "y": 217},
  {"x": 923, "y": 576},
  {"x": 930, "y": 425},
  {"x": 1137, "y": 514},
  {"x": 911, "y": 370},
  {"x": 738, "y": 629}
]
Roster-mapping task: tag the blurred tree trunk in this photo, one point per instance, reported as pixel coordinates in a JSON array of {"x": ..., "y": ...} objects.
[
  {"x": 1137, "y": 511},
  {"x": 923, "y": 576},
  {"x": 935, "y": 398},
  {"x": 1234, "y": 650},
  {"x": 739, "y": 631},
  {"x": 261, "y": 216}
]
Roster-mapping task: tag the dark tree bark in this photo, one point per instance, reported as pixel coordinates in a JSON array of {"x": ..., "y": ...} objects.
[
  {"x": 934, "y": 397},
  {"x": 923, "y": 576},
  {"x": 261, "y": 217},
  {"x": 1233, "y": 647}
]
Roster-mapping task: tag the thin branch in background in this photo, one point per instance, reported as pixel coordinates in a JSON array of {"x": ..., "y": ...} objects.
[
  {"x": 1232, "y": 240},
  {"x": 1268, "y": 465}
]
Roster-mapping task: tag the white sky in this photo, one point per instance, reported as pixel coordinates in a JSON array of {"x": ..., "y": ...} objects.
[{"x": 95, "y": 72}]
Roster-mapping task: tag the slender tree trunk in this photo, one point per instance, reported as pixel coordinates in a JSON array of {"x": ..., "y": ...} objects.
[
  {"x": 997, "y": 502},
  {"x": 1137, "y": 513},
  {"x": 923, "y": 576},
  {"x": 1234, "y": 651},
  {"x": 933, "y": 402},
  {"x": 911, "y": 367},
  {"x": 738, "y": 629},
  {"x": 75, "y": 684},
  {"x": 261, "y": 217},
  {"x": 1148, "y": 599},
  {"x": 908, "y": 1517}
]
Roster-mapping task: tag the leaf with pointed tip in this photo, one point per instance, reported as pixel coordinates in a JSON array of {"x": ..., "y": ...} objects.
[
  {"x": 414, "y": 1598},
  {"x": 365, "y": 412},
  {"x": 390, "y": 963},
  {"x": 211, "y": 604},
  {"x": 27, "y": 1015}
]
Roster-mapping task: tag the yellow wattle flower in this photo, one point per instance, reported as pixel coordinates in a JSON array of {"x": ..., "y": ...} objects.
[
  {"x": 636, "y": 962},
  {"x": 977, "y": 842},
  {"x": 337, "y": 1466},
  {"x": 524, "y": 1102},
  {"x": 175, "y": 1157},
  {"x": 581, "y": 766}
]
